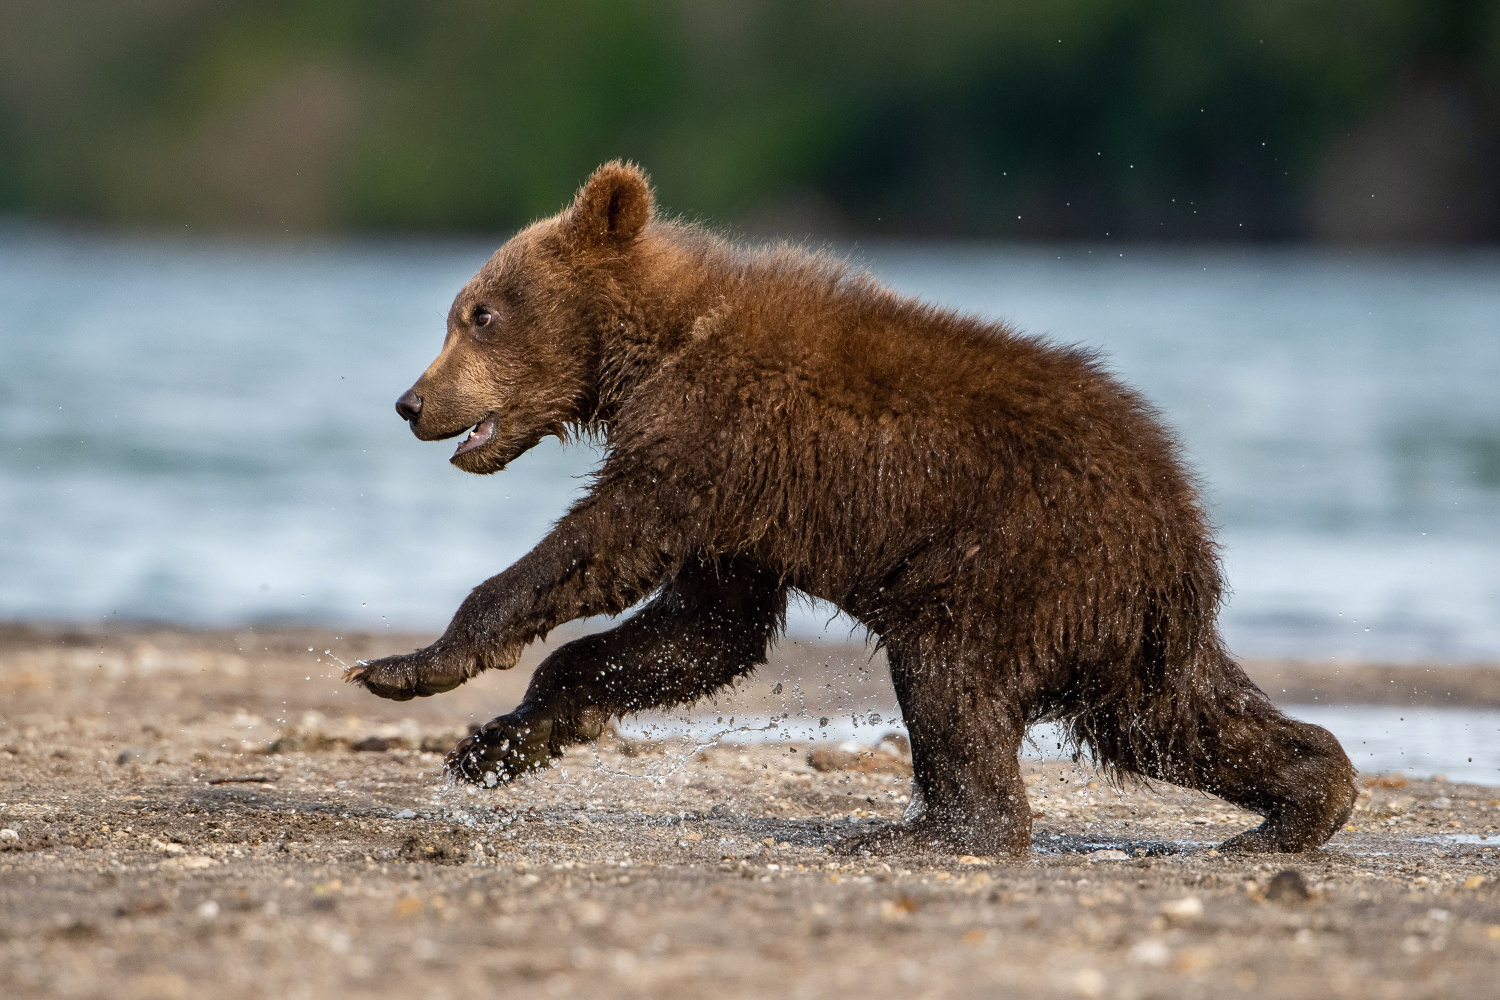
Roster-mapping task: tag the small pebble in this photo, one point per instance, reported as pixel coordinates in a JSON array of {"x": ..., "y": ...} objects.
[
  {"x": 1089, "y": 983},
  {"x": 1288, "y": 887},
  {"x": 9, "y": 834},
  {"x": 1152, "y": 951},
  {"x": 1188, "y": 908},
  {"x": 591, "y": 914}
]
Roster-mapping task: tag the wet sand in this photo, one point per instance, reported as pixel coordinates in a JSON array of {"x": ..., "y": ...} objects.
[{"x": 216, "y": 812}]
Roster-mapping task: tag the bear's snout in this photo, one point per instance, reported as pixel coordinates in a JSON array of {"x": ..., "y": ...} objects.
[{"x": 409, "y": 406}]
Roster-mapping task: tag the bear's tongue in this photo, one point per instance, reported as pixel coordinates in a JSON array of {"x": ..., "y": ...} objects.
[{"x": 478, "y": 437}]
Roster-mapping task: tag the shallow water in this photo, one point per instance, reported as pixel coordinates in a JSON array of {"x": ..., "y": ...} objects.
[
  {"x": 1461, "y": 744},
  {"x": 202, "y": 432},
  {"x": 1464, "y": 838}
]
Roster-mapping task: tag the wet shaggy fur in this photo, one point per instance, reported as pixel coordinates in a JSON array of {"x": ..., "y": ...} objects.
[{"x": 1013, "y": 523}]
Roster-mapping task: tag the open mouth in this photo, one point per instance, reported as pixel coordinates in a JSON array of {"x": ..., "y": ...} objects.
[{"x": 479, "y": 436}]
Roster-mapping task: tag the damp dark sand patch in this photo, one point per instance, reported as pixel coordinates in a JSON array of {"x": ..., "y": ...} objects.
[{"x": 210, "y": 858}]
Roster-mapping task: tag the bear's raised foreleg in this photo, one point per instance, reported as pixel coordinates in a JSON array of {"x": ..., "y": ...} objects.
[
  {"x": 712, "y": 623},
  {"x": 610, "y": 551},
  {"x": 965, "y": 747}
]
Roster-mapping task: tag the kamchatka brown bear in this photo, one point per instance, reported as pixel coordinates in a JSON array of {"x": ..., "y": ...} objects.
[{"x": 1013, "y": 523}]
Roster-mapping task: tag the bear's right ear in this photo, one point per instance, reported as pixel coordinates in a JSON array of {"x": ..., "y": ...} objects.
[{"x": 614, "y": 205}]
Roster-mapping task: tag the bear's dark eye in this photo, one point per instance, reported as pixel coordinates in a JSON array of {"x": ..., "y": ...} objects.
[{"x": 483, "y": 316}]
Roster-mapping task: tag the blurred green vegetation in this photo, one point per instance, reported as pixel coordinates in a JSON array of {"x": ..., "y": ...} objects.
[{"x": 1072, "y": 118}]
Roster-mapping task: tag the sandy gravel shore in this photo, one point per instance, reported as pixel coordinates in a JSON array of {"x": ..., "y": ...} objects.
[{"x": 192, "y": 812}]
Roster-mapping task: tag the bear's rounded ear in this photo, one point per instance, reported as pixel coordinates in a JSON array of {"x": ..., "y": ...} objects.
[{"x": 614, "y": 204}]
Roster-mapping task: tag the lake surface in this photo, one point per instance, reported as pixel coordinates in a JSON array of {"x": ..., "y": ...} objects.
[{"x": 203, "y": 432}]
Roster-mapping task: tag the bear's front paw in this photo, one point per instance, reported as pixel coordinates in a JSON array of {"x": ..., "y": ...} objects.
[
  {"x": 927, "y": 834},
  {"x": 401, "y": 678},
  {"x": 502, "y": 750}
]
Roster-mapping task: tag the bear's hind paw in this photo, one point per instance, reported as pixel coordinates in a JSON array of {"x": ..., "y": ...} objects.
[{"x": 1270, "y": 839}]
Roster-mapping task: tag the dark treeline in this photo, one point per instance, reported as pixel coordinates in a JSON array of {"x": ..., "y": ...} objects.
[{"x": 1348, "y": 121}]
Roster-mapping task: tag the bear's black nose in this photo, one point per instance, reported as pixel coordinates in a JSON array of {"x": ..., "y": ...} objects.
[{"x": 409, "y": 406}]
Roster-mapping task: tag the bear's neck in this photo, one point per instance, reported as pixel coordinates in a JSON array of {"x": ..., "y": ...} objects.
[{"x": 670, "y": 288}]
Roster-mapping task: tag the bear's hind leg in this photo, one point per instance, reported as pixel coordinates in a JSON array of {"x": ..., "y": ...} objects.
[
  {"x": 965, "y": 748},
  {"x": 1235, "y": 744},
  {"x": 709, "y": 625},
  {"x": 1295, "y": 774}
]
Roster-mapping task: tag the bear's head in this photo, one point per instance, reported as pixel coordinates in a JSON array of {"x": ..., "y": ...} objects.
[{"x": 522, "y": 356}]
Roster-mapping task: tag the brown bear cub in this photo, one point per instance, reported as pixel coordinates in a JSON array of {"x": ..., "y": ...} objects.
[{"x": 1012, "y": 522}]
